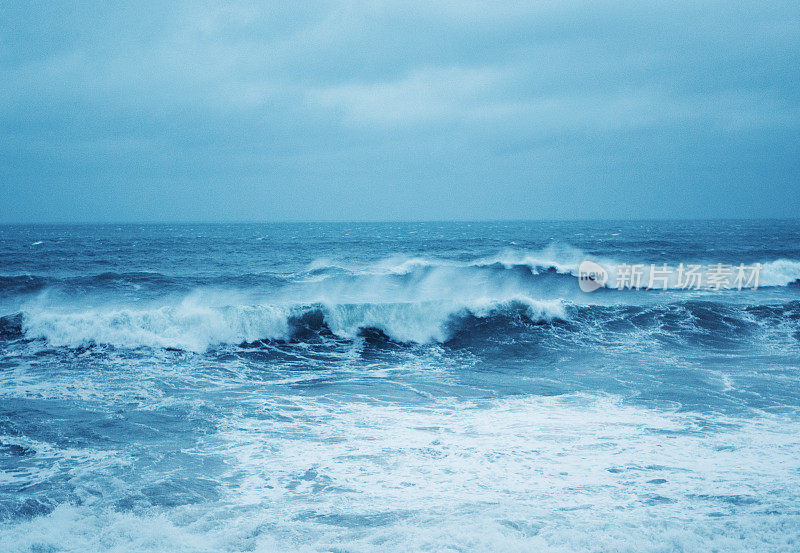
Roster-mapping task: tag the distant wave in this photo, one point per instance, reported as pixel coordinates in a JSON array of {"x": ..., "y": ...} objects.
[
  {"x": 560, "y": 259},
  {"x": 555, "y": 258},
  {"x": 22, "y": 284},
  {"x": 111, "y": 281},
  {"x": 509, "y": 269}
]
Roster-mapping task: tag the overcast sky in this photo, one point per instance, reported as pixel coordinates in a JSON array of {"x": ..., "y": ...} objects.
[{"x": 162, "y": 111}]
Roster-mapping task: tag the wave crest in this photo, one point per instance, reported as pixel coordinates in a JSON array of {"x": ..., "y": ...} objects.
[{"x": 195, "y": 327}]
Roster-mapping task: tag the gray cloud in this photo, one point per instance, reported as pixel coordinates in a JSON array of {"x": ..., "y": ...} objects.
[{"x": 399, "y": 110}]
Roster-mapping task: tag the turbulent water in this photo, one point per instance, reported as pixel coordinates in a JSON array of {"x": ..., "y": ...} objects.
[{"x": 395, "y": 387}]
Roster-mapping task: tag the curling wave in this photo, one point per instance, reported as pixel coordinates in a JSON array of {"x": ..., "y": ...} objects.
[
  {"x": 196, "y": 327},
  {"x": 192, "y": 326},
  {"x": 407, "y": 299}
]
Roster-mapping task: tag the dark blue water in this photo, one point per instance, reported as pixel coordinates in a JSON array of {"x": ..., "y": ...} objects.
[{"x": 396, "y": 387}]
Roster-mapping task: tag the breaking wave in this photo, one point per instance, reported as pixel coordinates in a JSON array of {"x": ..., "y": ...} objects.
[
  {"x": 192, "y": 326},
  {"x": 196, "y": 327},
  {"x": 406, "y": 299}
]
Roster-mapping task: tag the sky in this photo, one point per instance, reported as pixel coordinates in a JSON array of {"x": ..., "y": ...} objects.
[{"x": 398, "y": 110}]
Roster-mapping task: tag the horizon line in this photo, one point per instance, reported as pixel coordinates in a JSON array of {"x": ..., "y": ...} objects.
[{"x": 386, "y": 221}]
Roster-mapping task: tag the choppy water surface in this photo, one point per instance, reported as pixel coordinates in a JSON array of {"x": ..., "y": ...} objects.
[{"x": 395, "y": 387}]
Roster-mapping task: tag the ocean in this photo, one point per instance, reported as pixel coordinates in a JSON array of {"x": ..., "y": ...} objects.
[{"x": 353, "y": 387}]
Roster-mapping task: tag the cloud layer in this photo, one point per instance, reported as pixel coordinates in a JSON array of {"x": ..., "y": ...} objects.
[{"x": 399, "y": 110}]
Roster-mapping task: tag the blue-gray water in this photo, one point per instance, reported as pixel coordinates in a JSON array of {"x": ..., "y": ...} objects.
[{"x": 395, "y": 387}]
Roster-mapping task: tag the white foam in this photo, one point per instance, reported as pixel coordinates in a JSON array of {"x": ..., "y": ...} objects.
[
  {"x": 193, "y": 326},
  {"x": 426, "y": 321},
  {"x": 567, "y": 474},
  {"x": 563, "y": 258},
  {"x": 409, "y": 298},
  {"x": 779, "y": 272},
  {"x": 187, "y": 325}
]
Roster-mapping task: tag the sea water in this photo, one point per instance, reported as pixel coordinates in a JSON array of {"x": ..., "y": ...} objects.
[{"x": 396, "y": 387}]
